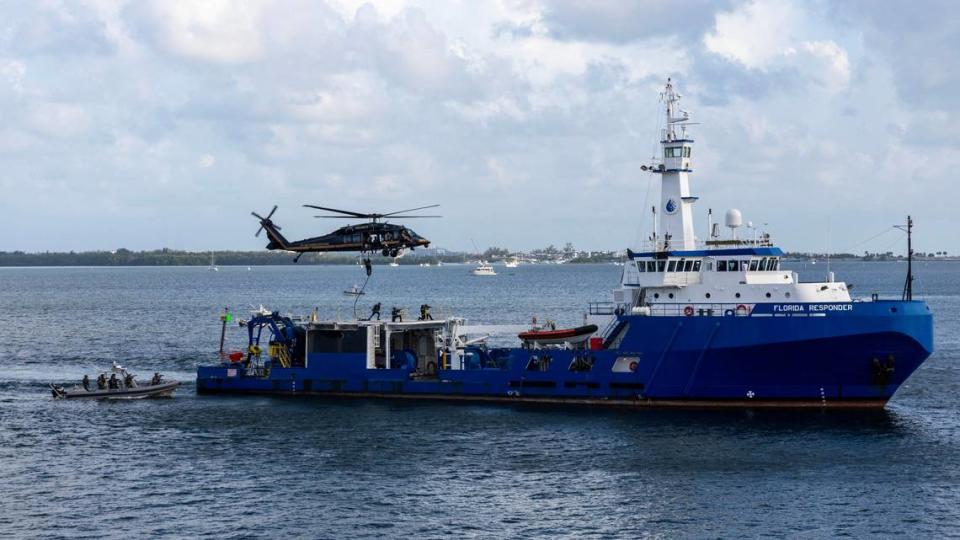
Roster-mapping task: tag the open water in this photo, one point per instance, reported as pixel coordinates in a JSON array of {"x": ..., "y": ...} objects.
[{"x": 237, "y": 467}]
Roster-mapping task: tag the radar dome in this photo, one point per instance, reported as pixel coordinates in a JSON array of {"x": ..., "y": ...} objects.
[{"x": 734, "y": 219}]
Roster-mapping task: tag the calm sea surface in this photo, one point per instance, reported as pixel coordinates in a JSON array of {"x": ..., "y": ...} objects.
[{"x": 300, "y": 467}]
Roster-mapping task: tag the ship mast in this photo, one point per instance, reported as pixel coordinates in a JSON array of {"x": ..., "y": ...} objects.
[
  {"x": 908, "y": 283},
  {"x": 676, "y": 203}
]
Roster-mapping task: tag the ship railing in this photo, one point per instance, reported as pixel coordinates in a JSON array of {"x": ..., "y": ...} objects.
[
  {"x": 700, "y": 310},
  {"x": 602, "y": 308}
]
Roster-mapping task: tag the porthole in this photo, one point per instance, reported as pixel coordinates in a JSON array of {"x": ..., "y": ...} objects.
[
  {"x": 707, "y": 295},
  {"x": 656, "y": 295},
  {"x": 670, "y": 295},
  {"x": 768, "y": 295},
  {"x": 737, "y": 295},
  {"x": 787, "y": 294}
]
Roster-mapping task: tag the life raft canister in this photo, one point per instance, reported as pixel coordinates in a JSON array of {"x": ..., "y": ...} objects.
[
  {"x": 688, "y": 311},
  {"x": 633, "y": 366}
]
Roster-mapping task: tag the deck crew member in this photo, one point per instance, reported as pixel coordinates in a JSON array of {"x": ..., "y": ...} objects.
[
  {"x": 101, "y": 382},
  {"x": 425, "y": 313},
  {"x": 374, "y": 312},
  {"x": 396, "y": 314}
]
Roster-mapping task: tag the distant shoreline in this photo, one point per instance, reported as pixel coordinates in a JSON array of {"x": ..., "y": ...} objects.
[{"x": 168, "y": 257}]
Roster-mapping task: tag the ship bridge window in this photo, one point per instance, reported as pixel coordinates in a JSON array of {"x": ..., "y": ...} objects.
[
  {"x": 763, "y": 264},
  {"x": 641, "y": 267},
  {"x": 733, "y": 266},
  {"x": 721, "y": 266},
  {"x": 754, "y": 264},
  {"x": 696, "y": 265},
  {"x": 661, "y": 265},
  {"x": 672, "y": 266},
  {"x": 676, "y": 151},
  {"x": 688, "y": 266},
  {"x": 651, "y": 266},
  {"x": 773, "y": 264}
]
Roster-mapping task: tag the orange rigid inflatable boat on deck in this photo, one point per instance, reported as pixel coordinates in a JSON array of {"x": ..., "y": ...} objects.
[{"x": 563, "y": 335}]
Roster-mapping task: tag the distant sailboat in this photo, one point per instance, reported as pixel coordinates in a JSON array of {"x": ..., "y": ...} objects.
[{"x": 213, "y": 264}]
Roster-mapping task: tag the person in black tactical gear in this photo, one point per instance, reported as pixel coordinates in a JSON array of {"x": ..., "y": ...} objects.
[
  {"x": 396, "y": 314},
  {"x": 86, "y": 382},
  {"x": 374, "y": 312},
  {"x": 425, "y": 313}
]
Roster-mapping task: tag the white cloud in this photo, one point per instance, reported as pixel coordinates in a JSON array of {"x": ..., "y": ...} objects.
[
  {"x": 59, "y": 119},
  {"x": 214, "y": 30},
  {"x": 768, "y": 35}
]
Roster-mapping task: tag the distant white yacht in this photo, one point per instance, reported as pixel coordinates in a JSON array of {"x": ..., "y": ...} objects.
[
  {"x": 512, "y": 263},
  {"x": 484, "y": 269}
]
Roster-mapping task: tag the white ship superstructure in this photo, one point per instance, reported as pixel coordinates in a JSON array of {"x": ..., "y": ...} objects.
[{"x": 676, "y": 272}]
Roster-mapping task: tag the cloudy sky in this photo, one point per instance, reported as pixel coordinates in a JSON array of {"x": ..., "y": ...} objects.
[{"x": 146, "y": 124}]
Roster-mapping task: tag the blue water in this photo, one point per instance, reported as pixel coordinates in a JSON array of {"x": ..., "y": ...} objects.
[{"x": 300, "y": 467}]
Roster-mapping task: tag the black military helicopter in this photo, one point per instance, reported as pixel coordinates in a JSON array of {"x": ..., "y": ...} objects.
[{"x": 371, "y": 237}]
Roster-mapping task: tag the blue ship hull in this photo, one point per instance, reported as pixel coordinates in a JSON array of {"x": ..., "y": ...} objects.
[{"x": 794, "y": 355}]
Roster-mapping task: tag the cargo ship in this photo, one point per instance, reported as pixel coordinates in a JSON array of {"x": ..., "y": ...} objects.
[{"x": 713, "y": 322}]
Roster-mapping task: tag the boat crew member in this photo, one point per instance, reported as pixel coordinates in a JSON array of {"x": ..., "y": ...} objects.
[
  {"x": 86, "y": 382},
  {"x": 113, "y": 383},
  {"x": 101, "y": 382},
  {"x": 396, "y": 314},
  {"x": 374, "y": 311},
  {"x": 156, "y": 378},
  {"x": 128, "y": 381},
  {"x": 425, "y": 313}
]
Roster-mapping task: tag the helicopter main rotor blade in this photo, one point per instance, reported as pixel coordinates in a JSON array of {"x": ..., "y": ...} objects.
[
  {"x": 410, "y": 210},
  {"x": 347, "y": 212},
  {"x": 339, "y": 217},
  {"x": 412, "y": 217}
]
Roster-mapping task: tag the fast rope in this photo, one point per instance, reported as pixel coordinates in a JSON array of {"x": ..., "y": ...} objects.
[{"x": 356, "y": 298}]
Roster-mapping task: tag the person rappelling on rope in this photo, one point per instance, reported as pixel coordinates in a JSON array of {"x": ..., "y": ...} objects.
[
  {"x": 425, "y": 313},
  {"x": 368, "y": 266}
]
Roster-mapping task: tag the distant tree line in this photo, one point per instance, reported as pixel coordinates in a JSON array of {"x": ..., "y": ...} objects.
[{"x": 162, "y": 257}]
